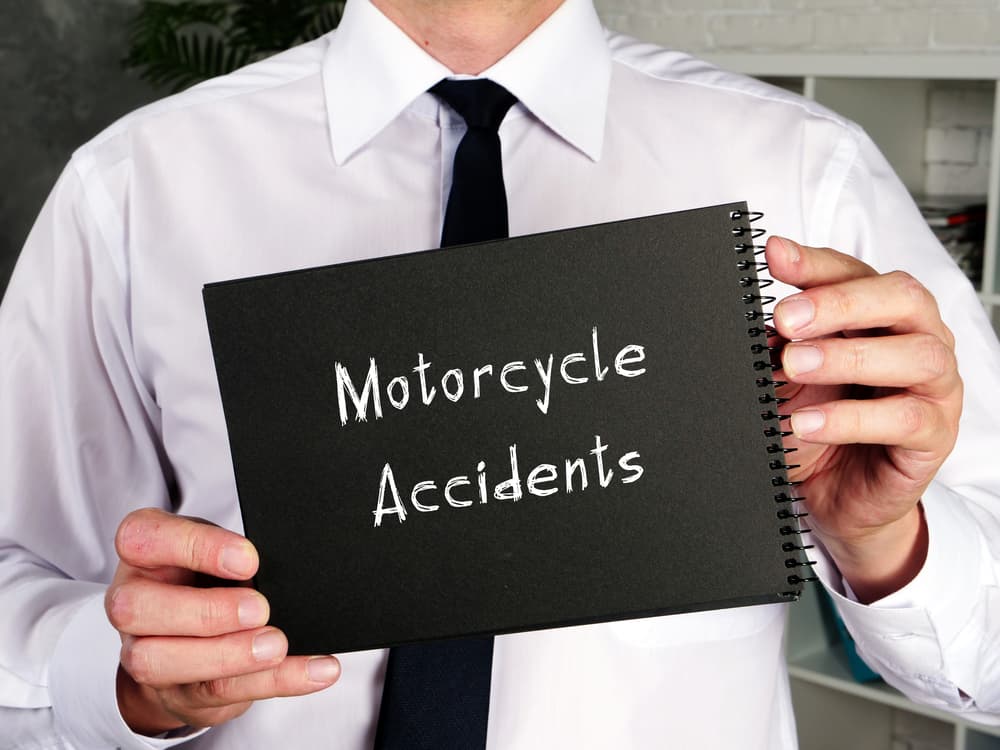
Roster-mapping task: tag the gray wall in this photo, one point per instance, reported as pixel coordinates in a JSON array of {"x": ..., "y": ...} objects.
[{"x": 60, "y": 83}]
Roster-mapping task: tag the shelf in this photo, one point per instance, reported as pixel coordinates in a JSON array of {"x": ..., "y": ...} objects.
[
  {"x": 834, "y": 711},
  {"x": 953, "y": 99},
  {"x": 859, "y": 85},
  {"x": 828, "y": 668},
  {"x": 982, "y": 67}
]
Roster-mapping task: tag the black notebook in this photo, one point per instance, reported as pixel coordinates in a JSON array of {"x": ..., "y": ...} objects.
[{"x": 556, "y": 429}]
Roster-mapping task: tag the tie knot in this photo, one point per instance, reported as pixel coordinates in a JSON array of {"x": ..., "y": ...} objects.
[{"x": 481, "y": 102}]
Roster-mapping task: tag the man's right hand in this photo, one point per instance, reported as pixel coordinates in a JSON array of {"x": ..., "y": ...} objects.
[{"x": 195, "y": 649}]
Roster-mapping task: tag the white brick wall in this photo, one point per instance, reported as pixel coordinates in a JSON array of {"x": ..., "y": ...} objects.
[
  {"x": 960, "y": 116},
  {"x": 956, "y": 145},
  {"x": 811, "y": 25},
  {"x": 959, "y": 127}
]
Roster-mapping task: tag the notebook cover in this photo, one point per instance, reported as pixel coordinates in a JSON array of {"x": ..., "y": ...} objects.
[{"x": 678, "y": 511}]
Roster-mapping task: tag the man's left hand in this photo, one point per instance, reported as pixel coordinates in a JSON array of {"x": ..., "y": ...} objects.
[{"x": 875, "y": 398}]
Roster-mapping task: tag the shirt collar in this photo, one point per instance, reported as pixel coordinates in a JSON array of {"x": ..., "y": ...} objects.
[{"x": 561, "y": 72}]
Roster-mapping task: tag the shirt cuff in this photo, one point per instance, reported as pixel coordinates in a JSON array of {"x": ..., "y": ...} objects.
[
  {"x": 905, "y": 632},
  {"x": 82, "y": 679}
]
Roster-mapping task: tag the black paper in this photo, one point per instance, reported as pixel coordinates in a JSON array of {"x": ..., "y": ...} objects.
[{"x": 697, "y": 530}]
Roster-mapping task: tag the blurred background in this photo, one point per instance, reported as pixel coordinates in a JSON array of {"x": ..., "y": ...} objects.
[
  {"x": 61, "y": 83},
  {"x": 63, "y": 78},
  {"x": 922, "y": 76}
]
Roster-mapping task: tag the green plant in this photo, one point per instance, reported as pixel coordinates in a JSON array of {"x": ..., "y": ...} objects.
[{"x": 176, "y": 44}]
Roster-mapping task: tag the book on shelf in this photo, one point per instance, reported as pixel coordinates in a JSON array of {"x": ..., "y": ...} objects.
[{"x": 959, "y": 223}]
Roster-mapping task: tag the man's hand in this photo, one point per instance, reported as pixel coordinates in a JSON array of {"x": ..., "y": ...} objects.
[
  {"x": 875, "y": 399},
  {"x": 195, "y": 651}
]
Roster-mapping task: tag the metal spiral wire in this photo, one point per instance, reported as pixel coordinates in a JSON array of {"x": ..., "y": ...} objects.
[{"x": 747, "y": 249}]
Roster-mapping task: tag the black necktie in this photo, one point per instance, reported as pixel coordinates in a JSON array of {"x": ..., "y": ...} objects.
[
  {"x": 477, "y": 204},
  {"x": 437, "y": 695}
]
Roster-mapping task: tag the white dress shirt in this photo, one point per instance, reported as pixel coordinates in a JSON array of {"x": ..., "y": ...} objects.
[{"x": 333, "y": 152}]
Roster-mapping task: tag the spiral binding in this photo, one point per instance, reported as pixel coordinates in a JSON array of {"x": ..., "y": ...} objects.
[{"x": 785, "y": 494}]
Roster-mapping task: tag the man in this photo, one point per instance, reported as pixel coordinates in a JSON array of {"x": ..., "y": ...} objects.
[{"x": 334, "y": 151}]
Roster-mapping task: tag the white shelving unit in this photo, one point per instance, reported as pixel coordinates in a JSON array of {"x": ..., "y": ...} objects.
[
  {"x": 888, "y": 95},
  {"x": 835, "y": 712}
]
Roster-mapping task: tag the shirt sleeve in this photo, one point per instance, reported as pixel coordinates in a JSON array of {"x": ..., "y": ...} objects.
[
  {"x": 937, "y": 639},
  {"x": 79, "y": 449}
]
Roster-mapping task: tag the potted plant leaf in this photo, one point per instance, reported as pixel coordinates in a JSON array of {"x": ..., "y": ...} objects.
[{"x": 174, "y": 45}]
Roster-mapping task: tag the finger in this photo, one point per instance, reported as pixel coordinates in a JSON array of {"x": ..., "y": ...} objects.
[
  {"x": 145, "y": 607},
  {"x": 919, "y": 361},
  {"x": 902, "y": 420},
  {"x": 151, "y": 538},
  {"x": 296, "y": 675},
  {"x": 167, "y": 574},
  {"x": 894, "y": 301},
  {"x": 805, "y": 267},
  {"x": 161, "y": 662}
]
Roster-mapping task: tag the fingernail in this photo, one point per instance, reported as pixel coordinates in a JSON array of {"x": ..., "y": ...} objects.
[
  {"x": 804, "y": 422},
  {"x": 268, "y": 646},
  {"x": 252, "y": 611},
  {"x": 237, "y": 560},
  {"x": 791, "y": 249},
  {"x": 796, "y": 313},
  {"x": 799, "y": 359},
  {"x": 323, "y": 669}
]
